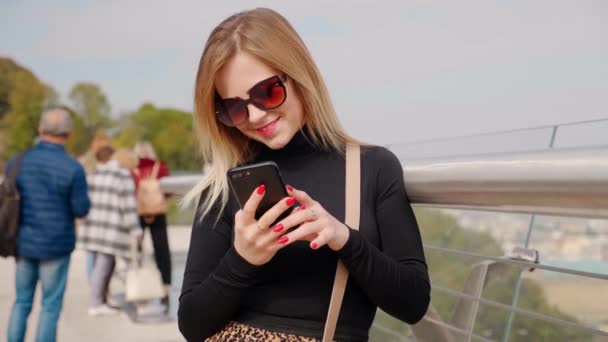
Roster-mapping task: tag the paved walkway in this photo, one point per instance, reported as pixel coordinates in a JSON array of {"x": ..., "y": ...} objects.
[{"x": 76, "y": 325}]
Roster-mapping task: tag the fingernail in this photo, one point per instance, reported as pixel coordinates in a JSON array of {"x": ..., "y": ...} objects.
[
  {"x": 283, "y": 240},
  {"x": 314, "y": 245},
  {"x": 302, "y": 207},
  {"x": 278, "y": 228},
  {"x": 261, "y": 189},
  {"x": 289, "y": 188},
  {"x": 290, "y": 201}
]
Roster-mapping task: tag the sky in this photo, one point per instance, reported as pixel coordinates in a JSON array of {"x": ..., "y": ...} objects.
[{"x": 398, "y": 71}]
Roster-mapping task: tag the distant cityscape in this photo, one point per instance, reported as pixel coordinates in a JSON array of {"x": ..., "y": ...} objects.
[{"x": 568, "y": 240}]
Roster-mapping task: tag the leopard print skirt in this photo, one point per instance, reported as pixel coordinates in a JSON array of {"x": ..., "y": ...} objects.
[{"x": 235, "y": 331}]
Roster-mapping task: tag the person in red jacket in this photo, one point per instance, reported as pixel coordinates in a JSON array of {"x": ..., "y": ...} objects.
[{"x": 148, "y": 164}]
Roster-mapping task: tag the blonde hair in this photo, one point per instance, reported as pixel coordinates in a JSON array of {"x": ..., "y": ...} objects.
[
  {"x": 267, "y": 35},
  {"x": 125, "y": 157},
  {"x": 144, "y": 149}
]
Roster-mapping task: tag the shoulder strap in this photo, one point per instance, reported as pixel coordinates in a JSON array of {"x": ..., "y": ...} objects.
[
  {"x": 352, "y": 208},
  {"x": 16, "y": 167}
]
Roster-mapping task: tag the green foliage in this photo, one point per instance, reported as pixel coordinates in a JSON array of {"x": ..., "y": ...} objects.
[
  {"x": 22, "y": 99},
  {"x": 169, "y": 130},
  {"x": 91, "y": 104},
  {"x": 81, "y": 136}
]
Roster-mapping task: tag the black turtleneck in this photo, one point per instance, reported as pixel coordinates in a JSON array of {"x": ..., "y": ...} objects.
[{"x": 291, "y": 293}]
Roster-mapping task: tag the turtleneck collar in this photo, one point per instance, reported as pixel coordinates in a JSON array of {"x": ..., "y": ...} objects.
[{"x": 300, "y": 145}]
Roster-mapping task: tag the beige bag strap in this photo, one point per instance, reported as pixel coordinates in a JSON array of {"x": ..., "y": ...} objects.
[
  {"x": 133, "y": 254},
  {"x": 352, "y": 208}
]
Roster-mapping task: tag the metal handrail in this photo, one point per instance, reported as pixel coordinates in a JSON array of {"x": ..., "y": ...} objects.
[{"x": 571, "y": 182}]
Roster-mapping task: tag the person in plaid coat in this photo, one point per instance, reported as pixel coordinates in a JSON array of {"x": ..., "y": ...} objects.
[{"x": 110, "y": 225}]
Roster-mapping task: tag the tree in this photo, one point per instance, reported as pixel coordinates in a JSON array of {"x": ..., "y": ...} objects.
[
  {"x": 80, "y": 138},
  {"x": 22, "y": 99},
  {"x": 170, "y": 131},
  {"x": 91, "y": 104}
]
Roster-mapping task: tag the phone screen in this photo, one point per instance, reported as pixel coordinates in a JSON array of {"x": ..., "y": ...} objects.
[{"x": 244, "y": 180}]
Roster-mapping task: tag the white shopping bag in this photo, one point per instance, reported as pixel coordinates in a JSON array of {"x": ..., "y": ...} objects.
[{"x": 143, "y": 281}]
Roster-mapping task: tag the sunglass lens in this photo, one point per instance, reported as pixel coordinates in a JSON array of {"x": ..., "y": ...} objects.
[
  {"x": 269, "y": 94},
  {"x": 221, "y": 113},
  {"x": 237, "y": 110}
]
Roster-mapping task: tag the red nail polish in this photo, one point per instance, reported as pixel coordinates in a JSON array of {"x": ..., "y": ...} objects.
[
  {"x": 302, "y": 207},
  {"x": 290, "y": 201},
  {"x": 314, "y": 245},
  {"x": 279, "y": 227},
  {"x": 289, "y": 188},
  {"x": 261, "y": 189},
  {"x": 283, "y": 240}
]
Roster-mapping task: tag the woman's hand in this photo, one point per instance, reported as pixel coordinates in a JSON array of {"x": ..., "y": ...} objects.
[
  {"x": 316, "y": 225},
  {"x": 254, "y": 240}
]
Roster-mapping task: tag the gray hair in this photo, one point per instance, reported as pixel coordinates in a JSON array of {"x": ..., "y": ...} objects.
[{"x": 55, "y": 122}]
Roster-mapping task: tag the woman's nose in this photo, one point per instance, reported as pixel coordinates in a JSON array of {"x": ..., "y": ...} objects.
[{"x": 256, "y": 115}]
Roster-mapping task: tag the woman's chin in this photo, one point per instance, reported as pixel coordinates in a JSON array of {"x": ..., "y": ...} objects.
[{"x": 276, "y": 143}]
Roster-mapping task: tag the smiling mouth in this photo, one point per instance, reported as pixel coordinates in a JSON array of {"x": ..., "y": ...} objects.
[{"x": 268, "y": 129}]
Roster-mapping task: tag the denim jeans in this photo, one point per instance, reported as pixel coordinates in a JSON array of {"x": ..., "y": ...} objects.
[{"x": 53, "y": 277}]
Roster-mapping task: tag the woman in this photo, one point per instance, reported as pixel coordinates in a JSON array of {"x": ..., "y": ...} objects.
[
  {"x": 149, "y": 166},
  {"x": 107, "y": 230},
  {"x": 259, "y": 97}
]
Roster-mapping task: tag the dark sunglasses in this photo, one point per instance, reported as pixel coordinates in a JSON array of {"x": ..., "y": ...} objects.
[{"x": 265, "y": 95}]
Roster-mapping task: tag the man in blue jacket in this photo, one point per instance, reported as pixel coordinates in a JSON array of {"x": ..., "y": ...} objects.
[{"x": 53, "y": 191}]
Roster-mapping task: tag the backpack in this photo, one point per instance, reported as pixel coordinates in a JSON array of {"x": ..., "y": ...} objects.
[
  {"x": 9, "y": 211},
  {"x": 150, "y": 197}
]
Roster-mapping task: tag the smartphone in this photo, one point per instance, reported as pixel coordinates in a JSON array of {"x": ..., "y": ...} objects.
[{"x": 244, "y": 180}]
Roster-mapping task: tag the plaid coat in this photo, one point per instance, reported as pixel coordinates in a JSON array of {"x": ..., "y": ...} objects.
[{"x": 113, "y": 215}]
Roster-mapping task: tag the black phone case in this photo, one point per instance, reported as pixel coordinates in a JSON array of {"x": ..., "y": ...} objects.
[{"x": 244, "y": 180}]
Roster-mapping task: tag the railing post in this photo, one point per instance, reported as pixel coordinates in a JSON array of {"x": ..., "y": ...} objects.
[
  {"x": 505, "y": 335},
  {"x": 519, "y": 274}
]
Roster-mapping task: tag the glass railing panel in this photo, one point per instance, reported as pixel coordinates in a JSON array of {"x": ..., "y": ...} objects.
[
  {"x": 511, "y": 141},
  {"x": 569, "y": 298},
  {"x": 450, "y": 271},
  {"x": 490, "y": 323},
  {"x": 526, "y": 329},
  {"x": 500, "y": 282},
  {"x": 574, "y": 243},
  {"x": 390, "y": 329},
  {"x": 444, "y": 304},
  {"x": 481, "y": 232},
  {"x": 582, "y": 134},
  {"x": 568, "y": 135}
]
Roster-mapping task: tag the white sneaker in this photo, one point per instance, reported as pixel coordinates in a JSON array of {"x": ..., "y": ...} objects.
[{"x": 103, "y": 310}]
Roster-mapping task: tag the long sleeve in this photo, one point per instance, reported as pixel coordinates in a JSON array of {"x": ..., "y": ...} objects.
[
  {"x": 128, "y": 204},
  {"x": 395, "y": 275},
  {"x": 215, "y": 278},
  {"x": 79, "y": 196}
]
